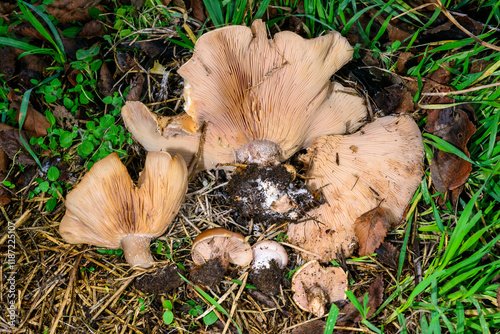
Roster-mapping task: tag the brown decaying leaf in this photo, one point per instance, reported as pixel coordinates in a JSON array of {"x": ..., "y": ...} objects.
[
  {"x": 34, "y": 122},
  {"x": 313, "y": 327},
  {"x": 64, "y": 118},
  {"x": 198, "y": 10},
  {"x": 92, "y": 28},
  {"x": 72, "y": 10},
  {"x": 387, "y": 254},
  {"x": 371, "y": 229},
  {"x": 11, "y": 144},
  {"x": 349, "y": 315},
  {"x": 105, "y": 82},
  {"x": 136, "y": 85},
  {"x": 395, "y": 99}
]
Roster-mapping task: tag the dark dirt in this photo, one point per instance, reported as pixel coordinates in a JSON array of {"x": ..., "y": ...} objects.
[
  {"x": 267, "y": 280},
  {"x": 268, "y": 195},
  {"x": 209, "y": 274},
  {"x": 161, "y": 281}
]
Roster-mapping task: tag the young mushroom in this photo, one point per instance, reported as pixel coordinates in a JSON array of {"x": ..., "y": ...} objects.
[
  {"x": 380, "y": 165},
  {"x": 262, "y": 100},
  {"x": 315, "y": 286},
  {"x": 107, "y": 210},
  {"x": 213, "y": 250},
  {"x": 269, "y": 260}
]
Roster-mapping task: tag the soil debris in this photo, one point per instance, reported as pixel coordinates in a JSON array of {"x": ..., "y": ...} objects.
[{"x": 161, "y": 280}]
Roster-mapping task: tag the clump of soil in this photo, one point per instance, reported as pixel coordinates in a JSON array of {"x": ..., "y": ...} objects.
[
  {"x": 267, "y": 279},
  {"x": 210, "y": 273},
  {"x": 269, "y": 194},
  {"x": 161, "y": 281}
]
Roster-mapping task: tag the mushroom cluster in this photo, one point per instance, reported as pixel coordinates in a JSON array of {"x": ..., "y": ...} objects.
[{"x": 107, "y": 210}]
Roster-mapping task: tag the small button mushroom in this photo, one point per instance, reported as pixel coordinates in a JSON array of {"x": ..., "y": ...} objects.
[
  {"x": 269, "y": 260},
  {"x": 315, "y": 286},
  {"x": 107, "y": 210},
  {"x": 213, "y": 250}
]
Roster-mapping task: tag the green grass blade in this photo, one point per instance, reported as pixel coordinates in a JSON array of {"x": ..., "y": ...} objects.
[
  {"x": 332, "y": 319},
  {"x": 262, "y": 9},
  {"x": 444, "y": 146},
  {"x": 17, "y": 44},
  {"x": 214, "y": 12},
  {"x": 212, "y": 301}
]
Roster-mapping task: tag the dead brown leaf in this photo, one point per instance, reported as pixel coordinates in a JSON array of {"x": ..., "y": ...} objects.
[
  {"x": 105, "y": 82},
  {"x": 448, "y": 171},
  {"x": 388, "y": 254},
  {"x": 313, "y": 327},
  {"x": 349, "y": 315},
  {"x": 198, "y": 10},
  {"x": 395, "y": 99},
  {"x": 34, "y": 122},
  {"x": 92, "y": 28},
  {"x": 136, "y": 85},
  {"x": 64, "y": 118},
  {"x": 72, "y": 10},
  {"x": 11, "y": 145},
  {"x": 371, "y": 229}
]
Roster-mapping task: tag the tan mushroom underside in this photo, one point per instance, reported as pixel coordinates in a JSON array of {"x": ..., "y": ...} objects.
[
  {"x": 106, "y": 206},
  {"x": 381, "y": 162},
  {"x": 332, "y": 280},
  {"x": 247, "y": 87}
]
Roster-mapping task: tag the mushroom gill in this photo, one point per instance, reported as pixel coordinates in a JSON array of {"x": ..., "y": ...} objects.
[
  {"x": 262, "y": 99},
  {"x": 107, "y": 210},
  {"x": 379, "y": 165}
]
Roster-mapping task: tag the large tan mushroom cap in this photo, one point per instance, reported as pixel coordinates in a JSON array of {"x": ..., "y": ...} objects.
[
  {"x": 218, "y": 240},
  {"x": 248, "y": 88},
  {"x": 107, "y": 210},
  {"x": 314, "y": 286},
  {"x": 380, "y": 163}
]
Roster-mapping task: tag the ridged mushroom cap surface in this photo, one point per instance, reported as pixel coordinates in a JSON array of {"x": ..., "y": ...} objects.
[
  {"x": 332, "y": 280},
  {"x": 382, "y": 164},
  {"x": 248, "y": 88},
  {"x": 106, "y": 208},
  {"x": 220, "y": 239}
]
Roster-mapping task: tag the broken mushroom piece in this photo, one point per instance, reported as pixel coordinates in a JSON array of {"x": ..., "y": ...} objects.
[
  {"x": 213, "y": 250},
  {"x": 380, "y": 165},
  {"x": 262, "y": 100},
  {"x": 269, "y": 260},
  {"x": 107, "y": 210},
  {"x": 315, "y": 286}
]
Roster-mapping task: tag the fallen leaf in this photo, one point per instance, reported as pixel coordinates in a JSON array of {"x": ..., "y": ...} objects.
[
  {"x": 11, "y": 145},
  {"x": 72, "y": 10},
  {"x": 64, "y": 118},
  {"x": 448, "y": 171},
  {"x": 388, "y": 254},
  {"x": 92, "y": 28},
  {"x": 349, "y": 315},
  {"x": 395, "y": 99},
  {"x": 198, "y": 10},
  {"x": 6, "y": 8},
  {"x": 124, "y": 61},
  {"x": 34, "y": 122},
  {"x": 136, "y": 85},
  {"x": 403, "y": 59},
  {"x": 313, "y": 327},
  {"x": 105, "y": 82},
  {"x": 371, "y": 229}
]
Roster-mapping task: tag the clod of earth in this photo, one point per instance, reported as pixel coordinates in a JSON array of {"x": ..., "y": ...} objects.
[
  {"x": 160, "y": 281},
  {"x": 213, "y": 250},
  {"x": 262, "y": 100},
  {"x": 315, "y": 286},
  {"x": 269, "y": 260},
  {"x": 107, "y": 210},
  {"x": 269, "y": 194},
  {"x": 380, "y": 165}
]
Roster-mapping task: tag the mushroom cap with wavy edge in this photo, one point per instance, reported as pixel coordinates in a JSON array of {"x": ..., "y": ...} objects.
[
  {"x": 212, "y": 242},
  {"x": 379, "y": 165},
  {"x": 267, "y": 250},
  {"x": 314, "y": 286},
  {"x": 273, "y": 96},
  {"x": 107, "y": 210}
]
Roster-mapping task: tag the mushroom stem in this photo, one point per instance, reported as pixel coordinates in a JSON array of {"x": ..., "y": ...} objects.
[
  {"x": 317, "y": 298},
  {"x": 136, "y": 250},
  {"x": 259, "y": 151}
]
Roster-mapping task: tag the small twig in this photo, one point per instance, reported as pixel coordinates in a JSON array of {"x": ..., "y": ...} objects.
[
  {"x": 445, "y": 11},
  {"x": 113, "y": 297},
  {"x": 463, "y": 91},
  {"x": 66, "y": 295}
]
